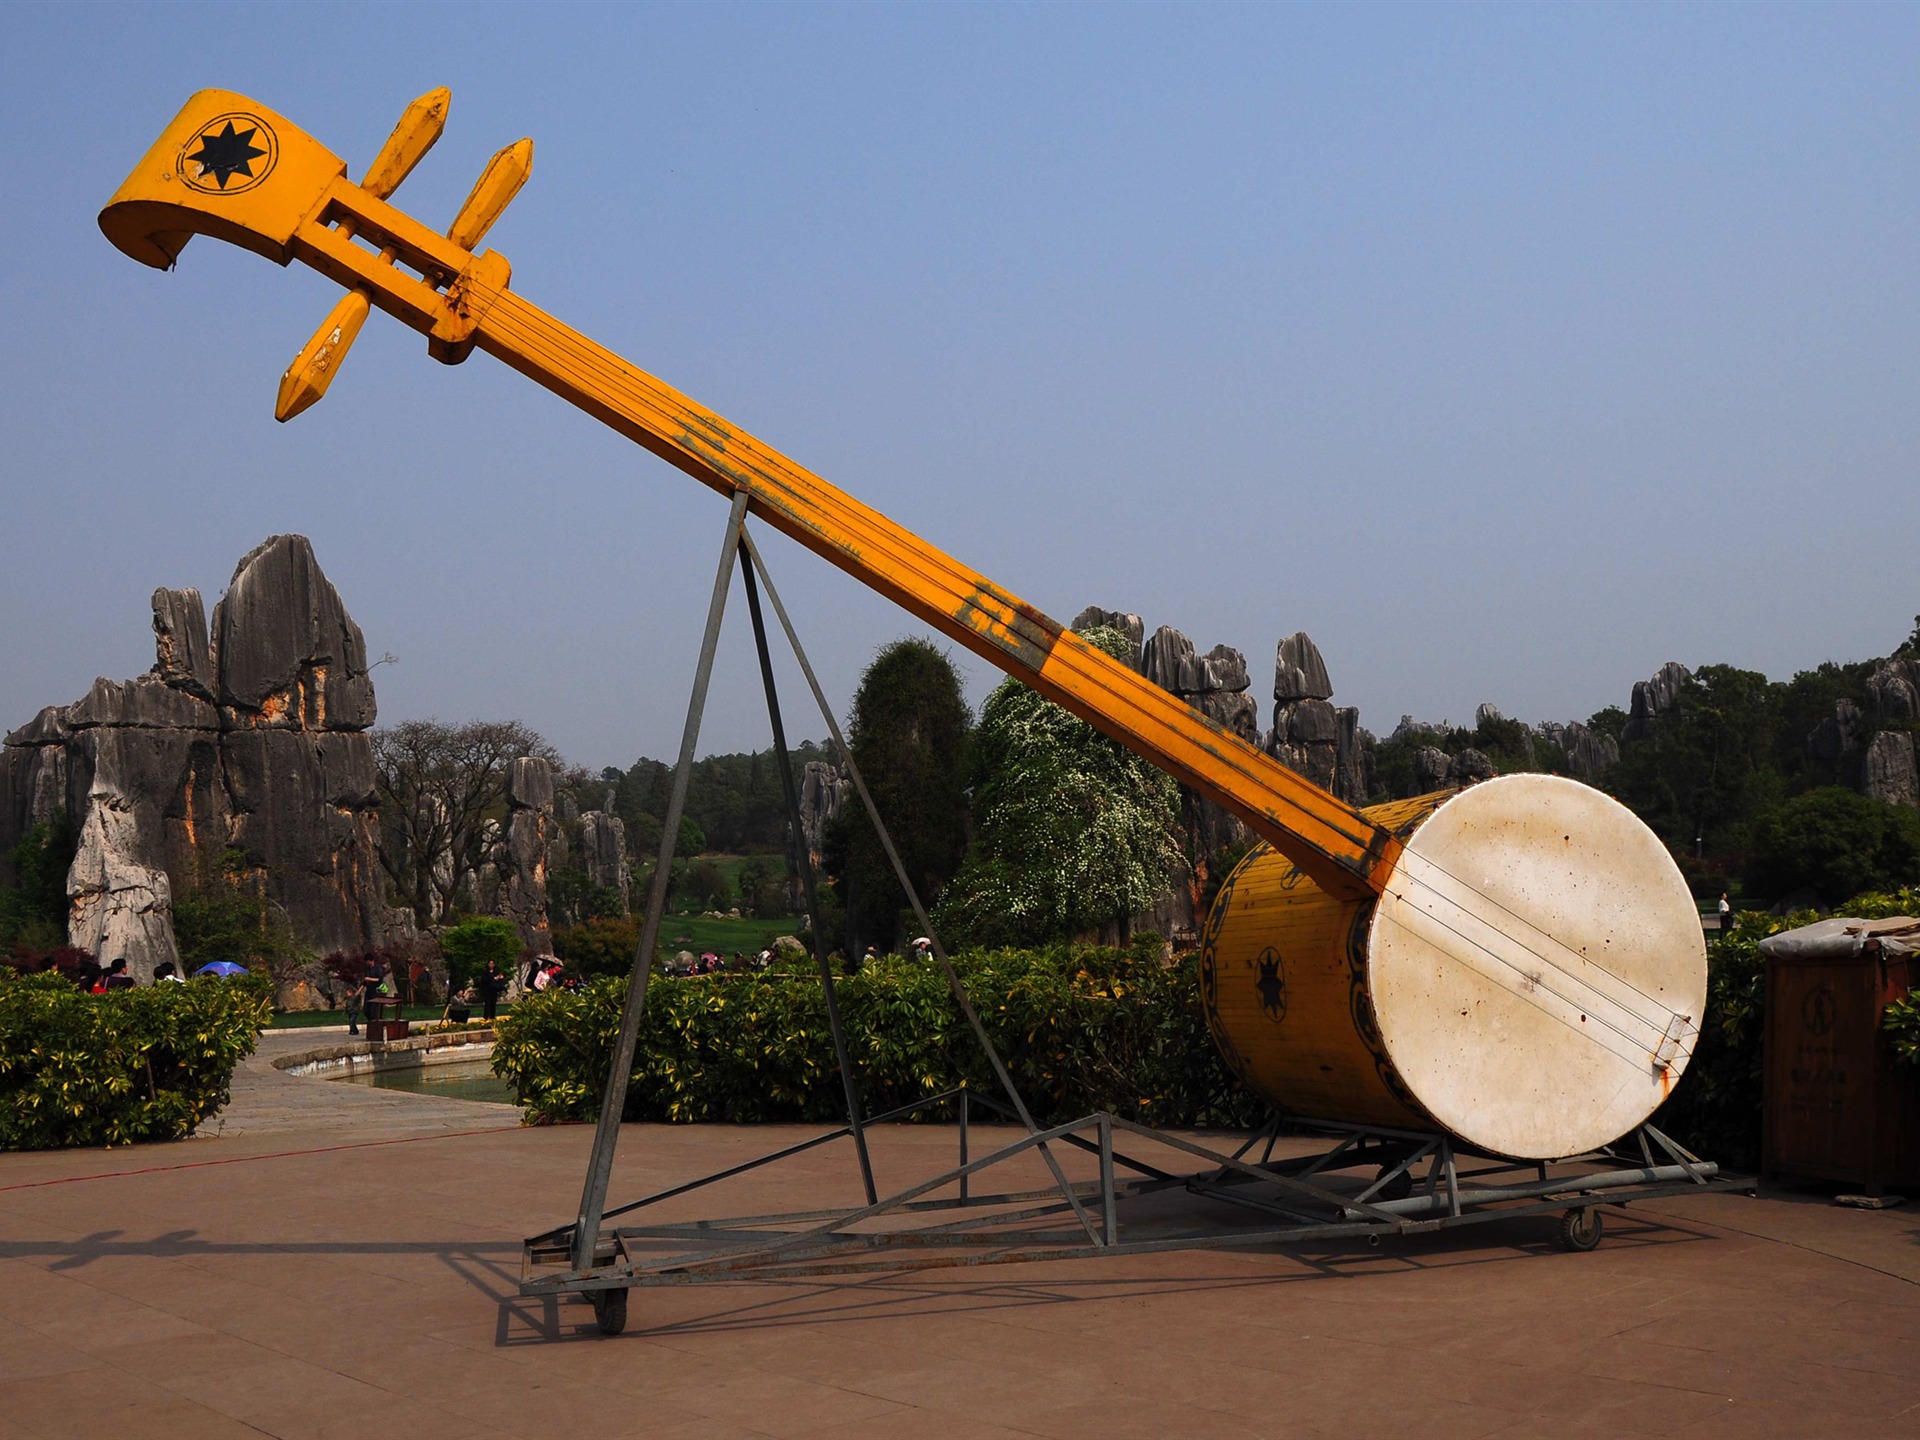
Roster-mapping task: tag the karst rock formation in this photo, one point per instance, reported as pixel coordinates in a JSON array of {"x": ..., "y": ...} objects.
[{"x": 244, "y": 752}]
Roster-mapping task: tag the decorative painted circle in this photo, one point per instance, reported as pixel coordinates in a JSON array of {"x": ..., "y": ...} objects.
[{"x": 230, "y": 154}]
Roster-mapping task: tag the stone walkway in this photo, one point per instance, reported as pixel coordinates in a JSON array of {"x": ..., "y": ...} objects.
[
  {"x": 343, "y": 1261},
  {"x": 267, "y": 1100}
]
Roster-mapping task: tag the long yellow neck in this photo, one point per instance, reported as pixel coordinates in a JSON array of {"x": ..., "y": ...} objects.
[
  {"x": 304, "y": 208},
  {"x": 1331, "y": 841}
]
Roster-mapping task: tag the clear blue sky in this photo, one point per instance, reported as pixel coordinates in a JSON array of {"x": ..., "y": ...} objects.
[{"x": 1509, "y": 352}]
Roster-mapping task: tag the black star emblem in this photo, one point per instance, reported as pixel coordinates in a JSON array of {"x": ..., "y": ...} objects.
[
  {"x": 231, "y": 152},
  {"x": 1273, "y": 989}
]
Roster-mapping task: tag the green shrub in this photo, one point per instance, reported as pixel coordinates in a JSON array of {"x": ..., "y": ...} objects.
[
  {"x": 1715, "y": 1111},
  {"x": 1082, "y": 1029},
  {"x": 1903, "y": 1029},
  {"x": 134, "y": 1065}
]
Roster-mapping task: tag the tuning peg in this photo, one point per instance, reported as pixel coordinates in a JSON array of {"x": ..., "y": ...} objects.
[
  {"x": 491, "y": 193},
  {"x": 313, "y": 369},
  {"x": 420, "y": 126}
]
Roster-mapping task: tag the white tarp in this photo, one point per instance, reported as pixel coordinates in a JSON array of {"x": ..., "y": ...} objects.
[{"x": 1841, "y": 939}]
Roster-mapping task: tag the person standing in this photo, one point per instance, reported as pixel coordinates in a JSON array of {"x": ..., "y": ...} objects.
[
  {"x": 492, "y": 983},
  {"x": 1726, "y": 915},
  {"x": 372, "y": 981}
]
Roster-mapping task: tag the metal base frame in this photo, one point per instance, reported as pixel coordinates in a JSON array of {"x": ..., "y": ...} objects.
[{"x": 1409, "y": 1183}]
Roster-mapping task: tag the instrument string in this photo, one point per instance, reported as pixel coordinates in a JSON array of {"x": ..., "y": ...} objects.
[{"x": 1539, "y": 984}]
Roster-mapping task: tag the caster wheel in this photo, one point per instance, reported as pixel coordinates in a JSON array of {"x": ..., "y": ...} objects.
[
  {"x": 1398, "y": 1188},
  {"x": 610, "y": 1310},
  {"x": 1580, "y": 1228}
]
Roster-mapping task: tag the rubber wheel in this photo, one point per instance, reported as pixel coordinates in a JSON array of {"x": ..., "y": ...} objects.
[
  {"x": 1580, "y": 1228},
  {"x": 1398, "y": 1188},
  {"x": 610, "y": 1310}
]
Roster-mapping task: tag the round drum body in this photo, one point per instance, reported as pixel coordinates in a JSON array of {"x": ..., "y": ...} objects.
[{"x": 1530, "y": 982}]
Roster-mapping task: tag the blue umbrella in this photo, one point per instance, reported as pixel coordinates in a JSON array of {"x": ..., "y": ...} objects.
[{"x": 221, "y": 967}]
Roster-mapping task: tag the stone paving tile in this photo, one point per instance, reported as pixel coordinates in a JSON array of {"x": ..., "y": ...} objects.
[
  {"x": 1100, "y": 1419},
  {"x": 1792, "y": 1421},
  {"x": 283, "y": 1396},
  {"x": 91, "y": 1403},
  {"x": 166, "y": 1363},
  {"x": 913, "y": 1425},
  {"x": 26, "y": 1355},
  {"x": 541, "y": 1406},
  {"x": 1816, "y": 1388},
  {"x": 1003, "y": 1397},
  {"x": 372, "y": 1291}
]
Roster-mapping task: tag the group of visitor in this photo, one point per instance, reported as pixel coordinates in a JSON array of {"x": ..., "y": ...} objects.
[
  {"x": 547, "y": 973},
  {"x": 98, "y": 979},
  {"x": 711, "y": 962},
  {"x": 376, "y": 983}
]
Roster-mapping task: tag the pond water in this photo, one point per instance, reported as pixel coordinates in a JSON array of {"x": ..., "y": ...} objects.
[{"x": 460, "y": 1080}]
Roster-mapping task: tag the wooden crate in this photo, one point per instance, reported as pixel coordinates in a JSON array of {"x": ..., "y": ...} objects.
[{"x": 1837, "y": 1106}]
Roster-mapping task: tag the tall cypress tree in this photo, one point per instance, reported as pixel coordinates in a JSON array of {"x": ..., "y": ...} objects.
[{"x": 911, "y": 733}]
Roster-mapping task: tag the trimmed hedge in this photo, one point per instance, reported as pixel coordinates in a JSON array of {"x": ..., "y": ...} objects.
[
  {"x": 1082, "y": 1029},
  {"x": 133, "y": 1065}
]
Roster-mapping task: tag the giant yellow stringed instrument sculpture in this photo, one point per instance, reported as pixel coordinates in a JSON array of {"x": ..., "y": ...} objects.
[{"x": 1518, "y": 965}]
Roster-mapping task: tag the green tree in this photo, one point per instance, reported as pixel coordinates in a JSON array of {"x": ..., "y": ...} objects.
[
  {"x": 33, "y": 910},
  {"x": 706, "y": 885},
  {"x": 227, "y": 916},
  {"x": 911, "y": 734},
  {"x": 573, "y": 898},
  {"x": 1073, "y": 831},
  {"x": 763, "y": 889},
  {"x": 439, "y": 786},
  {"x": 1836, "y": 843},
  {"x": 735, "y": 800},
  {"x": 469, "y": 945},
  {"x": 1709, "y": 768}
]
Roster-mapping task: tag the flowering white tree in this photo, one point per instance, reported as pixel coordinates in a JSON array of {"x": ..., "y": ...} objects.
[{"x": 1072, "y": 831}]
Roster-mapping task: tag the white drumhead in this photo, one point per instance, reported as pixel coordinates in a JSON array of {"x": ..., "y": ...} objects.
[{"x": 1537, "y": 968}]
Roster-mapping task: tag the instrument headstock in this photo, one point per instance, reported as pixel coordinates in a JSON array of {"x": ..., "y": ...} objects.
[{"x": 231, "y": 168}]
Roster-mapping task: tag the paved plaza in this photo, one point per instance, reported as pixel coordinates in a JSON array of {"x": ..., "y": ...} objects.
[{"x": 342, "y": 1261}]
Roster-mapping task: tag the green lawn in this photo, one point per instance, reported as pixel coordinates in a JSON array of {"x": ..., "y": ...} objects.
[{"x": 697, "y": 933}]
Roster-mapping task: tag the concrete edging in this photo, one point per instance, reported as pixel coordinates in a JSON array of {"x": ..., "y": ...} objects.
[{"x": 363, "y": 1057}]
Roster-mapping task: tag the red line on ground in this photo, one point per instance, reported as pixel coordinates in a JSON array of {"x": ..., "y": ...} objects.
[{"x": 247, "y": 1159}]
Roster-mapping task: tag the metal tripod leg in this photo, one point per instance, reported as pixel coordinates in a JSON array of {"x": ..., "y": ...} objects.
[
  {"x": 606, "y": 1129},
  {"x": 805, "y": 860},
  {"x": 913, "y": 896}
]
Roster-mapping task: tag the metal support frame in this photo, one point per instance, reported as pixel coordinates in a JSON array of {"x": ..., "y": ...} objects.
[
  {"x": 585, "y": 1247},
  {"x": 613, "y": 1097},
  {"x": 804, "y": 862},
  {"x": 1418, "y": 1183},
  {"x": 1302, "y": 1199}
]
